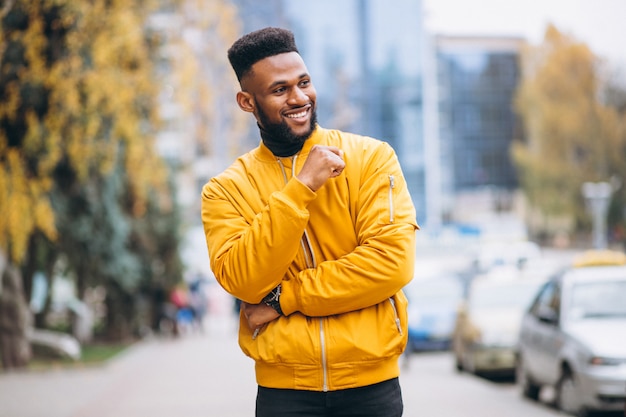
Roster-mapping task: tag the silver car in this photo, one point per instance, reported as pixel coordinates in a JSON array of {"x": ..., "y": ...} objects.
[{"x": 573, "y": 338}]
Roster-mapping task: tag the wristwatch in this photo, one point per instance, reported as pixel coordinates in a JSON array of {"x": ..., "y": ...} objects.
[{"x": 273, "y": 299}]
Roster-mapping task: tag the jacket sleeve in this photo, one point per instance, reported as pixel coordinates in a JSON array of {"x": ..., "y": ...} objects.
[
  {"x": 250, "y": 245},
  {"x": 382, "y": 262}
]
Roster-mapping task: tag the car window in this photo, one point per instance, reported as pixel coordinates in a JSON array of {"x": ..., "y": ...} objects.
[
  {"x": 598, "y": 299},
  {"x": 549, "y": 299}
]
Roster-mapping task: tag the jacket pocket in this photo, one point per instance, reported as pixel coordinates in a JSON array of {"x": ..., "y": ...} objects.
[
  {"x": 289, "y": 340},
  {"x": 401, "y": 304},
  {"x": 371, "y": 334}
]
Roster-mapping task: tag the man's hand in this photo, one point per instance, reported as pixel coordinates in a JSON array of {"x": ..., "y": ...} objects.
[
  {"x": 258, "y": 315},
  {"x": 323, "y": 162}
]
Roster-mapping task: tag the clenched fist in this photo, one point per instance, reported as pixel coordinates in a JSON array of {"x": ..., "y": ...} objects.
[{"x": 323, "y": 162}]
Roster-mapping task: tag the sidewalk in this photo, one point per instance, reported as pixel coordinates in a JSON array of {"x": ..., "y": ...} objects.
[
  {"x": 207, "y": 375},
  {"x": 196, "y": 375}
]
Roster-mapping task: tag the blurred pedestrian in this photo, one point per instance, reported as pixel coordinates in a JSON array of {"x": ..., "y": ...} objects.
[
  {"x": 314, "y": 230},
  {"x": 180, "y": 299},
  {"x": 198, "y": 301},
  {"x": 164, "y": 313}
]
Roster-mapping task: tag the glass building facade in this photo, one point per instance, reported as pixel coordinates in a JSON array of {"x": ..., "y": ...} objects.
[
  {"x": 443, "y": 103},
  {"x": 477, "y": 79},
  {"x": 365, "y": 59}
]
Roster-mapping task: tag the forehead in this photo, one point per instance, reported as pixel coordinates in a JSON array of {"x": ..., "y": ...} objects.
[{"x": 281, "y": 68}]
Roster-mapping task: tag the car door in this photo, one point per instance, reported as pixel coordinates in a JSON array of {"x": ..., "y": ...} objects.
[
  {"x": 538, "y": 333},
  {"x": 550, "y": 336}
]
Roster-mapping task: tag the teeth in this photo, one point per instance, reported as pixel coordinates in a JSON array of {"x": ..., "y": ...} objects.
[{"x": 296, "y": 115}]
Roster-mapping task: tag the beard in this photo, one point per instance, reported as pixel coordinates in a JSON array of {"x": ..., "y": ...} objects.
[{"x": 279, "y": 138}]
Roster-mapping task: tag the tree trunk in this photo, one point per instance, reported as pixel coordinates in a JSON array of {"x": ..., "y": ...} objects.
[
  {"x": 41, "y": 256},
  {"x": 119, "y": 314},
  {"x": 15, "y": 319}
]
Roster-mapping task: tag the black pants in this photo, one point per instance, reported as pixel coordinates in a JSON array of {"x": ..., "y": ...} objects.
[{"x": 379, "y": 400}]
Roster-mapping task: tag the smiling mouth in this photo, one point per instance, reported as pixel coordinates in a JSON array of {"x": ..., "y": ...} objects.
[{"x": 298, "y": 115}]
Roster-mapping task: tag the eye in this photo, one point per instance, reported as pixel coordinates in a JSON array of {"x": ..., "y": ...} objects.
[
  {"x": 305, "y": 83},
  {"x": 279, "y": 90}
]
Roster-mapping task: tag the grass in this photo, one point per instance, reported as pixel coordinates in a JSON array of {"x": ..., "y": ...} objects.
[{"x": 101, "y": 353}]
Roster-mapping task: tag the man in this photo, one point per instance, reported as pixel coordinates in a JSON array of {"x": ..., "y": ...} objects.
[{"x": 314, "y": 230}]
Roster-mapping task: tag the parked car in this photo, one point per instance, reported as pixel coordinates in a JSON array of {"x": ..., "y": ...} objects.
[
  {"x": 505, "y": 253},
  {"x": 433, "y": 304},
  {"x": 487, "y": 326},
  {"x": 573, "y": 337}
]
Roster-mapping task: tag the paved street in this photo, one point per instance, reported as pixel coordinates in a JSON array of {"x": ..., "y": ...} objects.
[
  {"x": 206, "y": 374},
  {"x": 195, "y": 375},
  {"x": 202, "y": 375}
]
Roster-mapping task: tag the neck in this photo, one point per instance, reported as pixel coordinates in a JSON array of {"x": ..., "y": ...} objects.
[{"x": 281, "y": 148}]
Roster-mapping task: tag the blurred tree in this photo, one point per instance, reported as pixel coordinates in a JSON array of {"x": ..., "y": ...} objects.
[
  {"x": 203, "y": 84},
  {"x": 78, "y": 115},
  {"x": 574, "y": 134},
  {"x": 615, "y": 96},
  {"x": 155, "y": 239}
]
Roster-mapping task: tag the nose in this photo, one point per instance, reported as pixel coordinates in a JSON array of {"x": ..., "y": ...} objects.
[{"x": 298, "y": 97}]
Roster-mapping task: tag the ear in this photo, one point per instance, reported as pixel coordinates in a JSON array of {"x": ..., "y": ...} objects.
[{"x": 245, "y": 101}]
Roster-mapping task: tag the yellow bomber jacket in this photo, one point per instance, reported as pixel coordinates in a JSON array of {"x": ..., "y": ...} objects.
[{"x": 342, "y": 254}]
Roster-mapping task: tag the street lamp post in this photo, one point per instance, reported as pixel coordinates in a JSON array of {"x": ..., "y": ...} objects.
[{"x": 598, "y": 196}]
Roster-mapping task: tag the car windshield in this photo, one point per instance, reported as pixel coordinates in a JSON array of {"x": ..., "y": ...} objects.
[
  {"x": 518, "y": 294},
  {"x": 598, "y": 299}
]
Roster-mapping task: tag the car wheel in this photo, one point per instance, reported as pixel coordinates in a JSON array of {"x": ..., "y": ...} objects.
[
  {"x": 530, "y": 389},
  {"x": 568, "y": 395}
]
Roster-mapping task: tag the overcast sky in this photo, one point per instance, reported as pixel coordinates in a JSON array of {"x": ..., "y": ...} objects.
[{"x": 601, "y": 24}]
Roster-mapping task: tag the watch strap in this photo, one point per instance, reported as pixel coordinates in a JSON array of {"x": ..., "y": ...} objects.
[{"x": 273, "y": 299}]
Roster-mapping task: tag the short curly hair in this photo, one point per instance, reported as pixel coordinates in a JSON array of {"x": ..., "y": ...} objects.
[{"x": 258, "y": 45}]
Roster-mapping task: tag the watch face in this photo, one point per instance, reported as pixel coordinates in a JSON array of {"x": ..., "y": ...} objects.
[{"x": 273, "y": 300}]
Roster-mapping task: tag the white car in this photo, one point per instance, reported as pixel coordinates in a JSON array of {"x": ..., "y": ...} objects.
[
  {"x": 573, "y": 337},
  {"x": 487, "y": 326}
]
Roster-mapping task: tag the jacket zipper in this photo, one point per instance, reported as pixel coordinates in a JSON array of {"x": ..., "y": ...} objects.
[
  {"x": 392, "y": 185},
  {"x": 311, "y": 263},
  {"x": 323, "y": 347}
]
